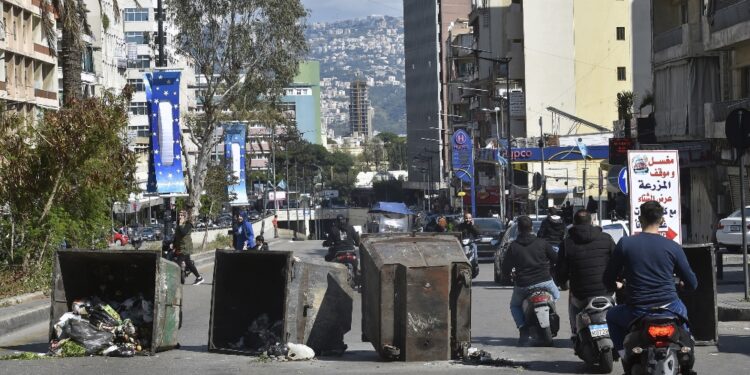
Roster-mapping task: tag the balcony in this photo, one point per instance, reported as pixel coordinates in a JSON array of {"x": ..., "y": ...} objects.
[
  {"x": 715, "y": 114},
  {"x": 678, "y": 43},
  {"x": 728, "y": 25}
]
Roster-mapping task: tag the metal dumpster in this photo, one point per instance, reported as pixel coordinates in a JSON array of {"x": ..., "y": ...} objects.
[
  {"x": 416, "y": 296},
  {"x": 115, "y": 276},
  {"x": 305, "y": 302},
  {"x": 701, "y": 303}
]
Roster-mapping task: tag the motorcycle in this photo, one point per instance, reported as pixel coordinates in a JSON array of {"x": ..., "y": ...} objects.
[
  {"x": 541, "y": 317},
  {"x": 470, "y": 250},
  {"x": 350, "y": 260},
  {"x": 659, "y": 344},
  {"x": 592, "y": 342}
]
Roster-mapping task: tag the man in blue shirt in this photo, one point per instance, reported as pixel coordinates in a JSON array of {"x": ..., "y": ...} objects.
[{"x": 648, "y": 262}]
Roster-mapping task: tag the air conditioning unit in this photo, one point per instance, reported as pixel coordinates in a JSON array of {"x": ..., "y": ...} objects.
[{"x": 578, "y": 190}]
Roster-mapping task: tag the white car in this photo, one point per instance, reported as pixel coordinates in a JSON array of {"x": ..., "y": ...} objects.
[
  {"x": 616, "y": 229},
  {"x": 728, "y": 233}
]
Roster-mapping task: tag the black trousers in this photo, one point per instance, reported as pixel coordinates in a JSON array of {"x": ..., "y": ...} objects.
[{"x": 189, "y": 264}]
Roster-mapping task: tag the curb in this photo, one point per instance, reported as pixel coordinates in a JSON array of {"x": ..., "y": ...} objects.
[
  {"x": 24, "y": 317},
  {"x": 16, "y": 300},
  {"x": 730, "y": 313}
]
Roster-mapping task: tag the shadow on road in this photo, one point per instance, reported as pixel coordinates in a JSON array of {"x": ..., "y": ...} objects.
[
  {"x": 39, "y": 347},
  {"x": 734, "y": 344},
  {"x": 354, "y": 356},
  {"x": 512, "y": 341},
  {"x": 562, "y": 367},
  {"x": 194, "y": 348}
]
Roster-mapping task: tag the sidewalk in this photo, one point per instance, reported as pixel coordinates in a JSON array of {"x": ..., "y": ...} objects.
[
  {"x": 731, "y": 294},
  {"x": 23, "y": 311}
]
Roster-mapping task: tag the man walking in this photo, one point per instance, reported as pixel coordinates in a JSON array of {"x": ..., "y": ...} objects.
[
  {"x": 275, "y": 223},
  {"x": 532, "y": 258},
  {"x": 183, "y": 244},
  {"x": 582, "y": 259}
]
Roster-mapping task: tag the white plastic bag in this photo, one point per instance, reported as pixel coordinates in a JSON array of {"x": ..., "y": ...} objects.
[{"x": 299, "y": 352}]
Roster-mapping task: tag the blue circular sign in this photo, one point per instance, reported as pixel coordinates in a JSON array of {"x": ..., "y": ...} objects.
[{"x": 622, "y": 180}]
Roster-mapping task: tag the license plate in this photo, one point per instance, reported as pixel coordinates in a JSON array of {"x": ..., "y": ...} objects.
[
  {"x": 486, "y": 239},
  {"x": 734, "y": 228},
  {"x": 599, "y": 330}
]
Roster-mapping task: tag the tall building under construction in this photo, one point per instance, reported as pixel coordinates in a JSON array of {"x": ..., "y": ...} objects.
[{"x": 360, "y": 112}]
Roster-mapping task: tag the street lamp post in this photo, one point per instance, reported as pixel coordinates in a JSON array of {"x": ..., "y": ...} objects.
[{"x": 500, "y": 187}]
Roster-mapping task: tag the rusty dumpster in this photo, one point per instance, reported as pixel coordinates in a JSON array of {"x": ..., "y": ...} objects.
[
  {"x": 261, "y": 300},
  {"x": 416, "y": 296},
  {"x": 115, "y": 275}
]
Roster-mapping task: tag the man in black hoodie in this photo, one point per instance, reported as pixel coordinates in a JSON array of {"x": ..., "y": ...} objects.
[
  {"x": 532, "y": 258},
  {"x": 553, "y": 228},
  {"x": 582, "y": 259}
]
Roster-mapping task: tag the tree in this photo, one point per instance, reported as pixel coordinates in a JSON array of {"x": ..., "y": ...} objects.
[
  {"x": 73, "y": 24},
  {"x": 218, "y": 179},
  {"x": 61, "y": 176},
  {"x": 246, "y": 51},
  {"x": 625, "y": 102},
  {"x": 395, "y": 149}
]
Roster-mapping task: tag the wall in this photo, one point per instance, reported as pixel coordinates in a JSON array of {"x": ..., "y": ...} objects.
[
  {"x": 598, "y": 54},
  {"x": 639, "y": 39},
  {"x": 549, "y": 62}
]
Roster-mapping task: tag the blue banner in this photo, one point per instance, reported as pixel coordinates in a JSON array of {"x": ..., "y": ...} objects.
[
  {"x": 567, "y": 153},
  {"x": 463, "y": 158},
  {"x": 165, "y": 154},
  {"x": 234, "y": 153}
]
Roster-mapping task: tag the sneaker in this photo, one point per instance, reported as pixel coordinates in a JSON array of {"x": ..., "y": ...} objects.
[
  {"x": 198, "y": 281},
  {"x": 523, "y": 336}
]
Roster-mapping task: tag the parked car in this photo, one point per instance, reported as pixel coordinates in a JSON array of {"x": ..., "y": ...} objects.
[
  {"x": 158, "y": 229},
  {"x": 728, "y": 232},
  {"x": 118, "y": 238},
  {"x": 510, "y": 235},
  {"x": 224, "y": 220},
  {"x": 253, "y": 215},
  {"x": 491, "y": 230},
  {"x": 148, "y": 234}
]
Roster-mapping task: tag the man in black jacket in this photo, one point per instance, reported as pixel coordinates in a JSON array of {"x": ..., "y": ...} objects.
[
  {"x": 553, "y": 228},
  {"x": 342, "y": 236},
  {"x": 532, "y": 258},
  {"x": 582, "y": 259}
]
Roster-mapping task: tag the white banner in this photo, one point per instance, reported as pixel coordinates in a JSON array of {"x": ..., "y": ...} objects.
[{"x": 655, "y": 176}]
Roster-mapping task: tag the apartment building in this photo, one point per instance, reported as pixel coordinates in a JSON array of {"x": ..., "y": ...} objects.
[
  {"x": 28, "y": 78},
  {"x": 701, "y": 70},
  {"x": 360, "y": 119}
]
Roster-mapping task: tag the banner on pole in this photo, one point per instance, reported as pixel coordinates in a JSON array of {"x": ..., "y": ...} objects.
[
  {"x": 165, "y": 152},
  {"x": 655, "y": 176},
  {"x": 463, "y": 163},
  {"x": 234, "y": 152}
]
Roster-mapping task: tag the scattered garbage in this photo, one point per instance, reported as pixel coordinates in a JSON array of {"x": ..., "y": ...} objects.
[
  {"x": 95, "y": 327},
  {"x": 299, "y": 352},
  {"x": 262, "y": 337},
  {"x": 478, "y": 357}
]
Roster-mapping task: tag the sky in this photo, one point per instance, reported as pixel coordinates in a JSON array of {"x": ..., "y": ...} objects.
[{"x": 333, "y": 10}]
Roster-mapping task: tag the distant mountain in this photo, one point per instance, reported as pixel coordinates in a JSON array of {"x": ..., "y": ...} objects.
[{"x": 372, "y": 47}]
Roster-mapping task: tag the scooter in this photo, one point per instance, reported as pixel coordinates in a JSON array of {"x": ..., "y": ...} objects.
[
  {"x": 541, "y": 317},
  {"x": 592, "y": 342},
  {"x": 350, "y": 260},
  {"x": 470, "y": 250},
  {"x": 659, "y": 344}
]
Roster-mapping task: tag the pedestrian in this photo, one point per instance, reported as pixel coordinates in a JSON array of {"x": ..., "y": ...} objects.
[
  {"x": 275, "y": 223},
  {"x": 582, "y": 259},
  {"x": 567, "y": 213},
  {"x": 592, "y": 207},
  {"x": 243, "y": 237},
  {"x": 442, "y": 225},
  {"x": 532, "y": 258},
  {"x": 183, "y": 244},
  {"x": 552, "y": 229}
]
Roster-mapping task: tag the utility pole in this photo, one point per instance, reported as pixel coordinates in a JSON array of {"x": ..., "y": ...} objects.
[
  {"x": 162, "y": 61},
  {"x": 541, "y": 146}
]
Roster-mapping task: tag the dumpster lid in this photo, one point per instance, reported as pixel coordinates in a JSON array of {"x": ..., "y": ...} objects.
[{"x": 414, "y": 250}]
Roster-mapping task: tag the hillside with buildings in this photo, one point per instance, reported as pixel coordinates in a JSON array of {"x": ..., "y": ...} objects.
[{"x": 372, "y": 47}]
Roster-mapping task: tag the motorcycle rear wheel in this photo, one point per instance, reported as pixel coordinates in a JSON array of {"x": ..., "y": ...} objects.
[
  {"x": 545, "y": 337},
  {"x": 606, "y": 362}
]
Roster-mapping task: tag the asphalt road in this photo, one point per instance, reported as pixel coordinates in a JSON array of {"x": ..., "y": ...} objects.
[{"x": 493, "y": 330}]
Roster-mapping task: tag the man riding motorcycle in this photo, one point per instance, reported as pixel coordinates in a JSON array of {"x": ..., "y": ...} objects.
[
  {"x": 582, "y": 258},
  {"x": 469, "y": 230},
  {"x": 341, "y": 236},
  {"x": 532, "y": 258},
  {"x": 552, "y": 229},
  {"x": 648, "y": 263}
]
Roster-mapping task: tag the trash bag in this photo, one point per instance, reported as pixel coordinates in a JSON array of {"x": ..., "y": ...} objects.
[
  {"x": 104, "y": 317},
  {"x": 122, "y": 350},
  {"x": 262, "y": 335},
  {"x": 62, "y": 321},
  {"x": 86, "y": 335},
  {"x": 299, "y": 352}
]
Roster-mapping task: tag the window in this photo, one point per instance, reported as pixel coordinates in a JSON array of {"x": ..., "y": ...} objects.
[
  {"x": 137, "y": 37},
  {"x": 138, "y": 108},
  {"x": 620, "y": 33},
  {"x": 745, "y": 82},
  {"x": 88, "y": 60},
  {"x": 137, "y": 84},
  {"x": 140, "y": 62},
  {"x": 136, "y": 14},
  {"x": 621, "y": 76}
]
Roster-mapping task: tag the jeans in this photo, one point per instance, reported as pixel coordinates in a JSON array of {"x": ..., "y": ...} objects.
[
  {"x": 520, "y": 293},
  {"x": 620, "y": 317}
]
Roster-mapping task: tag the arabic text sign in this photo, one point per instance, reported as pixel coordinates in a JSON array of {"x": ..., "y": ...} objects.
[{"x": 655, "y": 176}]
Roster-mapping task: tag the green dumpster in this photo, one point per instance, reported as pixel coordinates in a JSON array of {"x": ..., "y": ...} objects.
[{"x": 118, "y": 275}]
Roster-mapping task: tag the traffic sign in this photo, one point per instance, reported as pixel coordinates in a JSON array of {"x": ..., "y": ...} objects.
[{"x": 622, "y": 180}]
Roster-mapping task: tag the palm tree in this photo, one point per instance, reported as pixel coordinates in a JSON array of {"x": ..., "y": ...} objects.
[{"x": 72, "y": 19}]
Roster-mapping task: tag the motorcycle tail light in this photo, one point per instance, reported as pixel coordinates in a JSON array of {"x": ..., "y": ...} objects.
[
  {"x": 660, "y": 332},
  {"x": 539, "y": 298}
]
